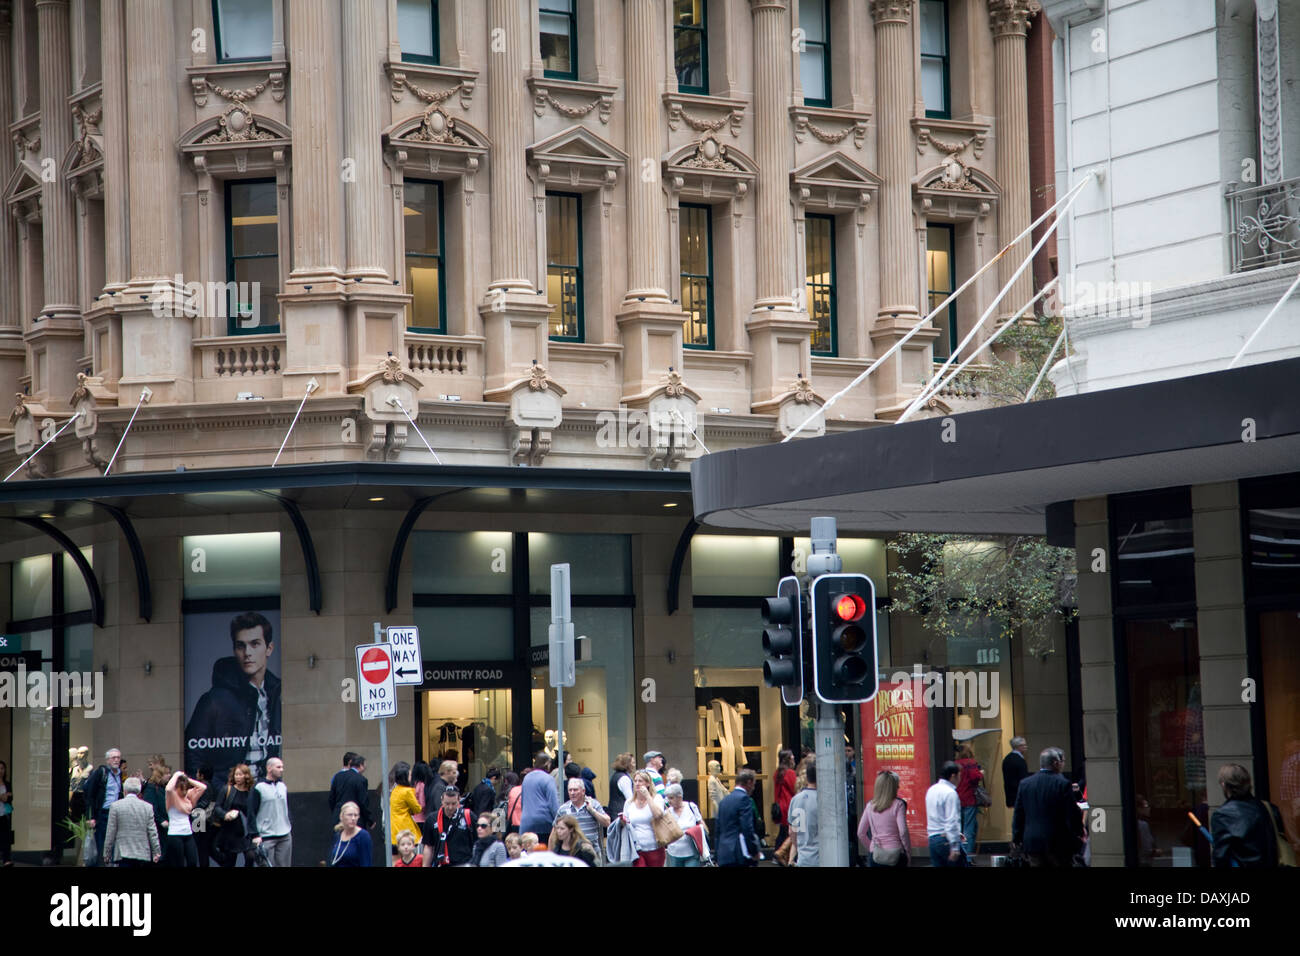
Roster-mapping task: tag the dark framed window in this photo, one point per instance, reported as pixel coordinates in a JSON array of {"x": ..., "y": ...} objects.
[
  {"x": 564, "y": 265},
  {"x": 691, "y": 45},
  {"x": 417, "y": 31},
  {"x": 819, "y": 278},
  {"x": 1153, "y": 562},
  {"x": 815, "y": 57},
  {"x": 695, "y": 229},
  {"x": 935, "y": 87},
  {"x": 558, "y": 21},
  {"x": 940, "y": 281},
  {"x": 426, "y": 279},
  {"x": 243, "y": 30},
  {"x": 252, "y": 257}
]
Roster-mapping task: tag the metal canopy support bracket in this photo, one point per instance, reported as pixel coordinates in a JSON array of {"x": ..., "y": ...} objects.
[
  {"x": 74, "y": 552},
  {"x": 308, "y": 548},
  {"x": 144, "y": 593},
  {"x": 399, "y": 547},
  {"x": 679, "y": 559}
]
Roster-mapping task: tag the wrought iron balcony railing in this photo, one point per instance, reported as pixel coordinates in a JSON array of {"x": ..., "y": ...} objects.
[{"x": 1264, "y": 224}]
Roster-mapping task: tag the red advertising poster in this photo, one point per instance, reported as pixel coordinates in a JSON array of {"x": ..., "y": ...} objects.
[{"x": 896, "y": 736}]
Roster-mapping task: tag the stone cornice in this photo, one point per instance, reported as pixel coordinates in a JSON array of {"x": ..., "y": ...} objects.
[
  {"x": 202, "y": 86},
  {"x": 704, "y": 114},
  {"x": 808, "y": 119},
  {"x": 404, "y": 76},
  {"x": 599, "y": 97},
  {"x": 1063, "y": 13}
]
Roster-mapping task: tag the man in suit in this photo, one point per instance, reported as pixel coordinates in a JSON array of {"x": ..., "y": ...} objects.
[
  {"x": 1014, "y": 769},
  {"x": 336, "y": 784},
  {"x": 1047, "y": 822},
  {"x": 103, "y": 789},
  {"x": 737, "y": 841},
  {"x": 130, "y": 832},
  {"x": 354, "y": 788}
]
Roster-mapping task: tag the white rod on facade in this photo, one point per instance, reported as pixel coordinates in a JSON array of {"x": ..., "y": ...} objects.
[
  {"x": 146, "y": 393},
  {"x": 1047, "y": 234},
  {"x": 311, "y": 387},
  {"x": 938, "y": 385},
  {"x": 691, "y": 430},
  {"x": 1047, "y": 363},
  {"x": 862, "y": 376},
  {"x": 1260, "y": 328},
  {"x": 75, "y": 416},
  {"x": 398, "y": 402}
]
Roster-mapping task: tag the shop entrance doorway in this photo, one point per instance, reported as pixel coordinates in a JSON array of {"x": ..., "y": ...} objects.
[{"x": 470, "y": 727}]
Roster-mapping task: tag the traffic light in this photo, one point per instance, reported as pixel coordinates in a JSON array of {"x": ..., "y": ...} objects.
[
  {"x": 844, "y": 638},
  {"x": 783, "y": 641}
]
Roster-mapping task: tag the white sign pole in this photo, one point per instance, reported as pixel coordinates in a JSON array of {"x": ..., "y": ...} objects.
[
  {"x": 561, "y": 635},
  {"x": 383, "y": 769}
]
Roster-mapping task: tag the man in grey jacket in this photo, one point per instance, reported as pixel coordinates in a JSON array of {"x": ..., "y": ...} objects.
[
  {"x": 131, "y": 834},
  {"x": 268, "y": 810}
]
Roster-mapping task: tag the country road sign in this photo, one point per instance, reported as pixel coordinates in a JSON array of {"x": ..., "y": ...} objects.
[
  {"x": 376, "y": 685},
  {"x": 408, "y": 665}
]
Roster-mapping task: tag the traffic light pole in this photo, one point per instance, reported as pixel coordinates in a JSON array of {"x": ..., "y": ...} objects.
[{"x": 832, "y": 811}]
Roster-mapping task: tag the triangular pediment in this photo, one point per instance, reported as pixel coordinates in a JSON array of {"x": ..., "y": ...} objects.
[
  {"x": 577, "y": 143},
  {"x": 836, "y": 169},
  {"x": 23, "y": 182}
]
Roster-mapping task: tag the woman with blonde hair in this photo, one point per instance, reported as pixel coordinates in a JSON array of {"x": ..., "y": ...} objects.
[
  {"x": 640, "y": 814},
  {"x": 883, "y": 829},
  {"x": 351, "y": 843},
  {"x": 567, "y": 839}
]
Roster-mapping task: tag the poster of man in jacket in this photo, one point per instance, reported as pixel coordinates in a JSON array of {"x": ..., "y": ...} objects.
[{"x": 235, "y": 718}]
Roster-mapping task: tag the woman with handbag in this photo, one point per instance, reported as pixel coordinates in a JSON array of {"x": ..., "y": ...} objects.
[
  {"x": 230, "y": 815},
  {"x": 685, "y": 851},
  {"x": 645, "y": 817},
  {"x": 883, "y": 829},
  {"x": 971, "y": 793}
]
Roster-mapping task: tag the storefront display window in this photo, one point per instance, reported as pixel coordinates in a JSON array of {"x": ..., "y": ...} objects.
[
  {"x": 598, "y": 563},
  {"x": 231, "y": 565},
  {"x": 466, "y": 633},
  {"x": 450, "y": 562}
]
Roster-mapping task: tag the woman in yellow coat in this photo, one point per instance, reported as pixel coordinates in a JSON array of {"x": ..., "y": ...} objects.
[{"x": 402, "y": 804}]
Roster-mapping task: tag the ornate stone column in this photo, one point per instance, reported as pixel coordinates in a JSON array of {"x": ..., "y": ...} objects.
[
  {"x": 779, "y": 331},
  {"x": 312, "y": 304},
  {"x": 898, "y": 379},
  {"x": 1010, "y": 22},
  {"x": 13, "y": 356},
  {"x": 56, "y": 331},
  {"x": 650, "y": 324},
  {"x": 514, "y": 315},
  {"x": 156, "y": 334},
  {"x": 113, "y": 57},
  {"x": 374, "y": 303}
]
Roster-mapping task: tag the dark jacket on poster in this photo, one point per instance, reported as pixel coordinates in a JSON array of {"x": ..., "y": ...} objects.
[
  {"x": 353, "y": 788},
  {"x": 1014, "y": 770},
  {"x": 736, "y": 826},
  {"x": 1047, "y": 820},
  {"x": 228, "y": 711},
  {"x": 1241, "y": 832}
]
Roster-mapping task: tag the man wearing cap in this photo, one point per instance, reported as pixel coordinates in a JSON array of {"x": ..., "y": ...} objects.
[{"x": 654, "y": 764}]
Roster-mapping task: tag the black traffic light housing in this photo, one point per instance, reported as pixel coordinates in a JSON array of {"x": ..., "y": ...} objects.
[
  {"x": 783, "y": 641},
  {"x": 845, "y": 666}
]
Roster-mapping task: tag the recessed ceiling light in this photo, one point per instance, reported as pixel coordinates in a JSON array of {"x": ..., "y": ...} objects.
[
  {"x": 47, "y": 515},
  {"x": 376, "y": 499},
  {"x": 671, "y": 504}
]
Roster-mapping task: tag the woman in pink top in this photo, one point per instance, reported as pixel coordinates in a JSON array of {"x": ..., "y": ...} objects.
[
  {"x": 883, "y": 830},
  {"x": 514, "y": 801}
]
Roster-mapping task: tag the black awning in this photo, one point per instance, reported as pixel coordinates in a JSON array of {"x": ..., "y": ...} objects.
[{"x": 997, "y": 470}]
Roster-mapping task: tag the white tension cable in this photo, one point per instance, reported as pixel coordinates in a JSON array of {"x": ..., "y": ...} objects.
[
  {"x": 938, "y": 384},
  {"x": 74, "y": 417},
  {"x": 312, "y": 385},
  {"x": 146, "y": 393},
  {"x": 862, "y": 376},
  {"x": 1047, "y": 234},
  {"x": 397, "y": 402}
]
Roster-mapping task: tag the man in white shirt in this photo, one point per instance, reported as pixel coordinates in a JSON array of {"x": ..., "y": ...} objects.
[{"x": 943, "y": 818}]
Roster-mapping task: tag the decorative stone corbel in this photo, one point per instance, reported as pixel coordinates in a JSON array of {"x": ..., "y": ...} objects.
[
  {"x": 89, "y": 395},
  {"x": 671, "y": 412},
  {"x": 385, "y": 393},
  {"x": 792, "y": 409},
  {"x": 535, "y": 411},
  {"x": 27, "y": 433}
]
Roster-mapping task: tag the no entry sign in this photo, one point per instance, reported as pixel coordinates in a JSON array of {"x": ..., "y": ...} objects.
[{"x": 376, "y": 689}]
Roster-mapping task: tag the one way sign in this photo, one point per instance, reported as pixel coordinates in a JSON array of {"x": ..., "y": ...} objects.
[{"x": 408, "y": 665}]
